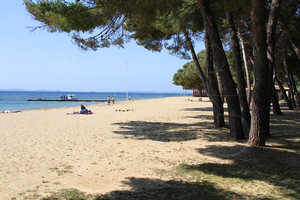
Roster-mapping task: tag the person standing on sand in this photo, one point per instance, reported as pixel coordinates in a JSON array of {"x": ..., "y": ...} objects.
[
  {"x": 113, "y": 99},
  {"x": 108, "y": 100}
]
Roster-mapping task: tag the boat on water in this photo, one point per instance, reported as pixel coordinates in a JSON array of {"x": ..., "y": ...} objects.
[{"x": 69, "y": 97}]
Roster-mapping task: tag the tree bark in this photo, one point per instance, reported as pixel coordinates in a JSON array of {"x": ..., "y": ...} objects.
[
  {"x": 283, "y": 93},
  {"x": 271, "y": 41},
  {"x": 295, "y": 90},
  {"x": 220, "y": 86},
  {"x": 239, "y": 74},
  {"x": 211, "y": 80},
  {"x": 274, "y": 100},
  {"x": 210, "y": 85},
  {"x": 260, "y": 98},
  {"x": 222, "y": 68},
  {"x": 246, "y": 68},
  {"x": 286, "y": 69}
]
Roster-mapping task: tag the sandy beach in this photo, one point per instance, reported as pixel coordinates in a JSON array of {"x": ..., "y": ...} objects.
[{"x": 47, "y": 150}]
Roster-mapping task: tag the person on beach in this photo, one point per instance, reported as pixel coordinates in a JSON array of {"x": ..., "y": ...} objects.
[
  {"x": 83, "y": 110},
  {"x": 129, "y": 98},
  {"x": 113, "y": 99},
  {"x": 108, "y": 100}
]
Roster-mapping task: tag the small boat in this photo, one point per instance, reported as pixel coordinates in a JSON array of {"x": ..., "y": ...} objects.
[{"x": 68, "y": 97}]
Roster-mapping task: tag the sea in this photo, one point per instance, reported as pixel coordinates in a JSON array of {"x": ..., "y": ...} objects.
[{"x": 18, "y": 100}]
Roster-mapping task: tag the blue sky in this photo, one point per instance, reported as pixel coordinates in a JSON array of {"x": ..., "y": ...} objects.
[{"x": 50, "y": 61}]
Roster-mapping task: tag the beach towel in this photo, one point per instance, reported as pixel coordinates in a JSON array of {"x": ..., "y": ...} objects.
[{"x": 77, "y": 113}]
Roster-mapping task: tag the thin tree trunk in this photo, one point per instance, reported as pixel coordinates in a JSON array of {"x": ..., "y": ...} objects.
[
  {"x": 295, "y": 89},
  {"x": 246, "y": 68},
  {"x": 286, "y": 69},
  {"x": 283, "y": 93},
  {"x": 274, "y": 100},
  {"x": 222, "y": 68},
  {"x": 240, "y": 75},
  {"x": 271, "y": 41},
  {"x": 291, "y": 90},
  {"x": 287, "y": 31},
  {"x": 260, "y": 99},
  {"x": 211, "y": 87}
]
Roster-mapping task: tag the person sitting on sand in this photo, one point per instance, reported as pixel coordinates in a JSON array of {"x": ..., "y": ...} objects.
[{"x": 83, "y": 110}]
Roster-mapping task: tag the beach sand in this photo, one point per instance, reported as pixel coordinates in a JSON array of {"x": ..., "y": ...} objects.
[{"x": 47, "y": 150}]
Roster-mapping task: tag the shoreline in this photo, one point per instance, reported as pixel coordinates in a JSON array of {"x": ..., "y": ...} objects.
[{"x": 96, "y": 103}]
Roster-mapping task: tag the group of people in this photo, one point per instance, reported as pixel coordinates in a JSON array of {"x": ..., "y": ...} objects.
[{"x": 84, "y": 110}]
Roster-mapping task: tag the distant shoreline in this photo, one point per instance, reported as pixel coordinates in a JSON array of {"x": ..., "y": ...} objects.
[{"x": 18, "y": 100}]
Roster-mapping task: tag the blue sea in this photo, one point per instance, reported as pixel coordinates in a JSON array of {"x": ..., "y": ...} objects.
[{"x": 18, "y": 100}]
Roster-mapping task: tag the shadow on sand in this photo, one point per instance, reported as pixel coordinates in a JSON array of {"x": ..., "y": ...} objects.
[
  {"x": 172, "y": 132},
  {"x": 277, "y": 164},
  {"x": 159, "y": 189}
]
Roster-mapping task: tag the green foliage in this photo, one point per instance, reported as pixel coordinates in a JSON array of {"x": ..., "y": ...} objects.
[
  {"x": 188, "y": 76},
  {"x": 66, "y": 17},
  {"x": 153, "y": 24}
]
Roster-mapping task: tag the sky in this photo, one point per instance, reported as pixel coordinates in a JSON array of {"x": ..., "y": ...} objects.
[{"x": 50, "y": 61}]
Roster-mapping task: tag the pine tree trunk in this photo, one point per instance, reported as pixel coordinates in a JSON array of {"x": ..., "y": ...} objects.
[
  {"x": 260, "y": 98},
  {"x": 291, "y": 90},
  {"x": 286, "y": 69},
  {"x": 271, "y": 41},
  {"x": 220, "y": 86},
  {"x": 274, "y": 100},
  {"x": 211, "y": 87},
  {"x": 283, "y": 93},
  {"x": 239, "y": 74},
  {"x": 246, "y": 68},
  {"x": 222, "y": 67},
  {"x": 295, "y": 89},
  {"x": 210, "y": 74}
]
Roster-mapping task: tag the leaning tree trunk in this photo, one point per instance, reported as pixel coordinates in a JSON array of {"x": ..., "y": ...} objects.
[
  {"x": 246, "y": 68},
  {"x": 239, "y": 74},
  {"x": 286, "y": 69},
  {"x": 271, "y": 41},
  {"x": 274, "y": 100},
  {"x": 220, "y": 85},
  {"x": 210, "y": 74},
  {"x": 292, "y": 42},
  {"x": 260, "y": 98},
  {"x": 211, "y": 87},
  {"x": 283, "y": 93},
  {"x": 291, "y": 89},
  {"x": 295, "y": 89},
  {"x": 222, "y": 67}
]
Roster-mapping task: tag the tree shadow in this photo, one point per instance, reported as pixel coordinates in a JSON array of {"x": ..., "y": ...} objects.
[
  {"x": 170, "y": 132},
  {"x": 271, "y": 165},
  {"x": 210, "y": 109},
  {"x": 144, "y": 189},
  {"x": 285, "y": 130}
]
